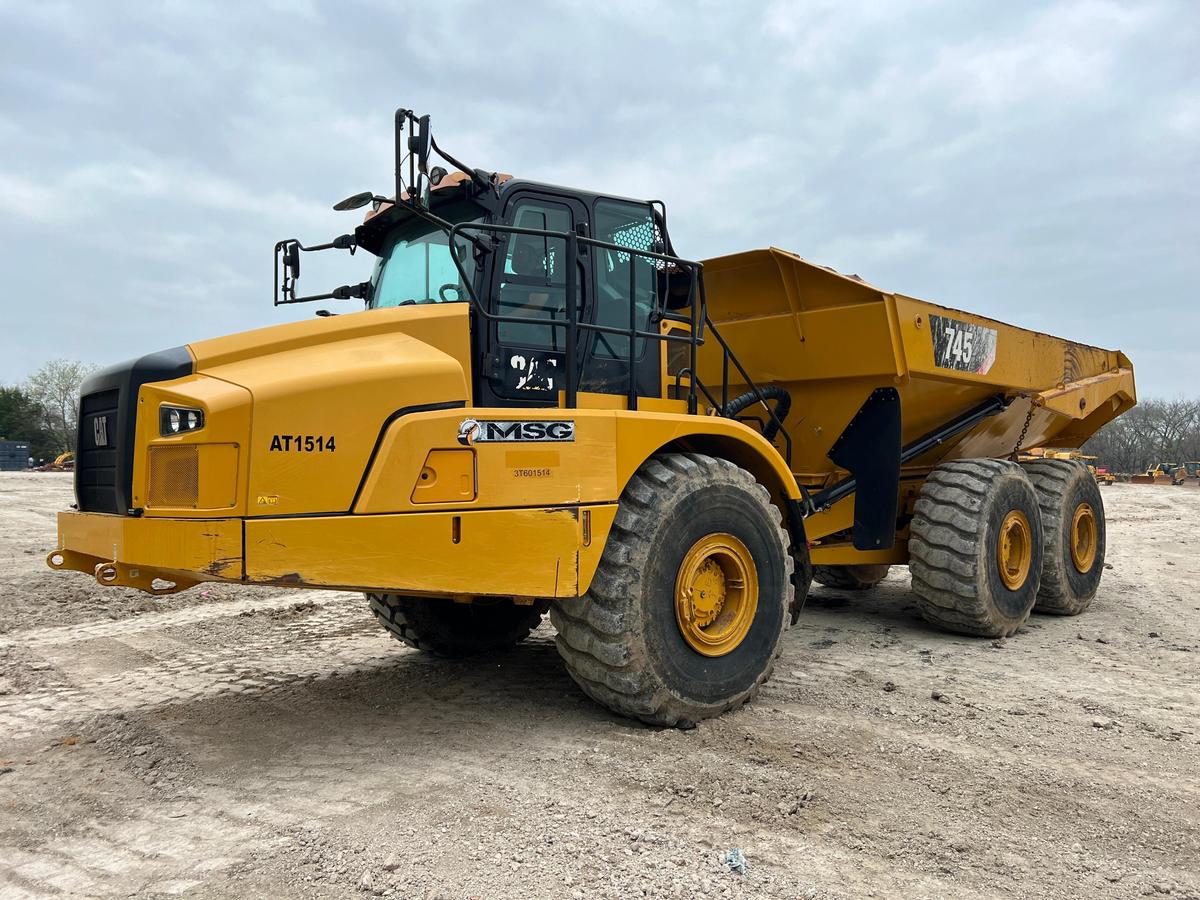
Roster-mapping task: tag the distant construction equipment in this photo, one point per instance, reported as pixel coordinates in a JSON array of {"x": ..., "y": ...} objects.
[
  {"x": 1159, "y": 473},
  {"x": 1102, "y": 475}
]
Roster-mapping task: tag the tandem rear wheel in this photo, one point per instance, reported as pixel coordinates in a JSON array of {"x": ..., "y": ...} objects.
[
  {"x": 976, "y": 547},
  {"x": 687, "y": 609},
  {"x": 1075, "y": 539},
  {"x": 992, "y": 540}
]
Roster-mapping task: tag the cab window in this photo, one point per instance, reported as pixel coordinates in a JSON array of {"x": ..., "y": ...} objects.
[
  {"x": 416, "y": 266},
  {"x": 533, "y": 283},
  {"x": 624, "y": 277}
]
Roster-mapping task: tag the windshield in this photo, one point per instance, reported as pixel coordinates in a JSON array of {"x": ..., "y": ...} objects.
[{"x": 415, "y": 266}]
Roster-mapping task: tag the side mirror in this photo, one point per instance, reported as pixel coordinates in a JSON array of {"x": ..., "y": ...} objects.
[
  {"x": 419, "y": 144},
  {"x": 291, "y": 259},
  {"x": 357, "y": 201}
]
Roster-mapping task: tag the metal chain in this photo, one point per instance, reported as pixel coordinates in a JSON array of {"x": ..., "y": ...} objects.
[{"x": 1021, "y": 437}]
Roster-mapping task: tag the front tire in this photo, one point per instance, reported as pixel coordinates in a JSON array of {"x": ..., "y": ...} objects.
[
  {"x": 687, "y": 609},
  {"x": 975, "y": 547},
  {"x": 444, "y": 628}
]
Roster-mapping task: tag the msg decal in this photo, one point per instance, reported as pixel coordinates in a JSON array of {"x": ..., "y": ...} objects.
[
  {"x": 486, "y": 431},
  {"x": 963, "y": 346}
]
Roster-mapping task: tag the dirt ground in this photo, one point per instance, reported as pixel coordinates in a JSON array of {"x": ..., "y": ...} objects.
[{"x": 234, "y": 742}]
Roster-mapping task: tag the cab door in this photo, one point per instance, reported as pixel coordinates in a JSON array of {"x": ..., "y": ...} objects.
[
  {"x": 523, "y": 361},
  {"x": 626, "y": 288}
]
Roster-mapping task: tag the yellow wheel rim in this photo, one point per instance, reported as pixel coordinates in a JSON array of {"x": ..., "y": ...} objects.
[
  {"x": 1083, "y": 538},
  {"x": 1014, "y": 549},
  {"x": 716, "y": 594}
]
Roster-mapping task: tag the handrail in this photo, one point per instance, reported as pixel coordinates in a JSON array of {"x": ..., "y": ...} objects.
[
  {"x": 572, "y": 325},
  {"x": 698, "y": 319},
  {"x": 729, "y": 356}
]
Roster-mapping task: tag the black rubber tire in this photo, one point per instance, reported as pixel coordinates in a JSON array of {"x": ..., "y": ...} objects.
[
  {"x": 1062, "y": 485},
  {"x": 621, "y": 642},
  {"x": 952, "y": 547},
  {"x": 861, "y": 577},
  {"x": 802, "y": 579},
  {"x": 444, "y": 628}
]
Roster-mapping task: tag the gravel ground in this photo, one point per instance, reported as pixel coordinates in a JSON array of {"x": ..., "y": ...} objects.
[{"x": 231, "y": 742}]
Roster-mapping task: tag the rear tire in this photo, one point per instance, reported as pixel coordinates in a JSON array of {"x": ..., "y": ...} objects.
[
  {"x": 1074, "y": 535},
  {"x": 444, "y": 628},
  {"x": 975, "y": 547},
  {"x": 635, "y": 641},
  {"x": 861, "y": 577}
]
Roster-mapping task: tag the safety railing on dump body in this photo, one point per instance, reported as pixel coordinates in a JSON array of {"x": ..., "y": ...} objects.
[{"x": 697, "y": 320}]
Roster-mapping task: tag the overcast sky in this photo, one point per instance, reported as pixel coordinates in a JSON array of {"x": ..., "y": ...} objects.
[{"x": 1039, "y": 163}]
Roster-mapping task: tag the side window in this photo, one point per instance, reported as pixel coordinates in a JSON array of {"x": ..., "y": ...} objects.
[
  {"x": 533, "y": 284},
  {"x": 622, "y": 278}
]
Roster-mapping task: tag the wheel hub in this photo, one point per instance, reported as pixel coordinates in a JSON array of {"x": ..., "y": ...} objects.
[
  {"x": 1014, "y": 549},
  {"x": 1084, "y": 540},
  {"x": 716, "y": 594}
]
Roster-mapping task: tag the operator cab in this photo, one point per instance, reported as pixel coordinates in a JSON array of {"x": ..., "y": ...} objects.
[
  {"x": 521, "y": 281},
  {"x": 569, "y": 291}
]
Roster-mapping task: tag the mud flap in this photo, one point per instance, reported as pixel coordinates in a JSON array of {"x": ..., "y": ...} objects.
[{"x": 870, "y": 449}]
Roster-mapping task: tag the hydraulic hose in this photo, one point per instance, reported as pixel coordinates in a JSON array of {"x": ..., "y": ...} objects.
[{"x": 783, "y": 403}]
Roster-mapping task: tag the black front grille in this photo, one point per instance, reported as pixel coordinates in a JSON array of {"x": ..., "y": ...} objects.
[
  {"x": 96, "y": 466},
  {"x": 107, "y": 416}
]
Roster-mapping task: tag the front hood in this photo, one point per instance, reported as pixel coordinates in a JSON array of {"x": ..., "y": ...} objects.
[{"x": 322, "y": 390}]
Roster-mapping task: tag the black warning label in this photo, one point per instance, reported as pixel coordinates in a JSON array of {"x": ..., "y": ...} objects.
[{"x": 963, "y": 346}]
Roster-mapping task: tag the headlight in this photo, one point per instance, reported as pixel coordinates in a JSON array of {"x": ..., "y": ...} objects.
[{"x": 179, "y": 420}]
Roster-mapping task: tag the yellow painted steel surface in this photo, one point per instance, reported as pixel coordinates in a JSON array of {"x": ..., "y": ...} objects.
[
  {"x": 448, "y": 476},
  {"x": 831, "y": 339},
  {"x": 544, "y": 552},
  {"x": 302, "y": 419},
  {"x": 333, "y": 383},
  {"x": 609, "y": 447},
  {"x": 512, "y": 552},
  {"x": 208, "y": 549},
  {"x": 221, "y": 473},
  {"x": 716, "y": 594},
  {"x": 335, "y": 443}
]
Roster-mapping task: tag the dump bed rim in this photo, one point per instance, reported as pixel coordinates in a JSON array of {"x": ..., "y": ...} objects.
[{"x": 857, "y": 280}]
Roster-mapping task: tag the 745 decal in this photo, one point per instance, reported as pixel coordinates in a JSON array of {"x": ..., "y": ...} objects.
[
  {"x": 303, "y": 443},
  {"x": 964, "y": 346}
]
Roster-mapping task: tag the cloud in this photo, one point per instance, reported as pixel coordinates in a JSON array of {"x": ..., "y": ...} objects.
[{"x": 1032, "y": 162}]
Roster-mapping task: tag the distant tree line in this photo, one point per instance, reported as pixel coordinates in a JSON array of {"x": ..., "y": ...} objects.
[
  {"x": 45, "y": 409},
  {"x": 1154, "y": 431}
]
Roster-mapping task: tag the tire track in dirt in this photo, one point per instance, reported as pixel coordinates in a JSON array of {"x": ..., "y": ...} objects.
[
  {"x": 192, "y": 615},
  {"x": 334, "y": 637}
]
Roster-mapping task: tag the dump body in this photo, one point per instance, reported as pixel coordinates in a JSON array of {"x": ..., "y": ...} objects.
[{"x": 831, "y": 340}]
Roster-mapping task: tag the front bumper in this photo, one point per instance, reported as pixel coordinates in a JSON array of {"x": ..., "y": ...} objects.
[
  {"x": 157, "y": 555},
  {"x": 525, "y": 552}
]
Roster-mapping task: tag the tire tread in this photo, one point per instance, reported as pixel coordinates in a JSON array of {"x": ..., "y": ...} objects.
[{"x": 596, "y": 641}]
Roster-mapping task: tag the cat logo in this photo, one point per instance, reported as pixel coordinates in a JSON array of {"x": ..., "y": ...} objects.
[
  {"x": 100, "y": 431},
  {"x": 473, "y": 431}
]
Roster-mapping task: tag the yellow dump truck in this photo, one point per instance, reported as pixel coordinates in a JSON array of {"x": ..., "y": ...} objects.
[{"x": 543, "y": 407}]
